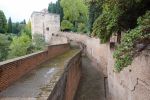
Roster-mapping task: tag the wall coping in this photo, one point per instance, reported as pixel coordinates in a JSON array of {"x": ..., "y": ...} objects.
[
  {"x": 69, "y": 61},
  {"x": 28, "y": 55},
  {"x": 64, "y": 73}
]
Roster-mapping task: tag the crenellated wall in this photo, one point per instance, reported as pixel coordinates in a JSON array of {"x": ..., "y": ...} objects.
[{"x": 12, "y": 70}]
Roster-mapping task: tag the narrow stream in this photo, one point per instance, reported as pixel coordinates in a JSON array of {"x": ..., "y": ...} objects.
[{"x": 38, "y": 83}]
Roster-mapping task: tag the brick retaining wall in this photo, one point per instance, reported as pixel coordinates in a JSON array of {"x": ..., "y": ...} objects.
[
  {"x": 12, "y": 70},
  {"x": 66, "y": 87}
]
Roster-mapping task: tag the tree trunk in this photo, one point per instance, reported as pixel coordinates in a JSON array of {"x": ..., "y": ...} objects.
[{"x": 119, "y": 36}]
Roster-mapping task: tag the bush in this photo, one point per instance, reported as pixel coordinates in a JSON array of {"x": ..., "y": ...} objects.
[
  {"x": 127, "y": 50},
  {"x": 82, "y": 28},
  {"x": 38, "y": 42},
  {"x": 4, "y": 46},
  {"x": 19, "y": 46},
  {"x": 66, "y": 25}
]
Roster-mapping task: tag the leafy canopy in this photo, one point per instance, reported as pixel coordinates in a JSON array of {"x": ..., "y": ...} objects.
[
  {"x": 75, "y": 11},
  {"x": 19, "y": 46},
  {"x": 3, "y": 22},
  {"x": 4, "y": 46}
]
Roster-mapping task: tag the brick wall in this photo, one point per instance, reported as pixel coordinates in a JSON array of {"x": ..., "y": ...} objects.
[
  {"x": 66, "y": 87},
  {"x": 12, "y": 70}
]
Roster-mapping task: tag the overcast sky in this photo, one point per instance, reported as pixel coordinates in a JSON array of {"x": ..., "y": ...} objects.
[{"x": 22, "y": 9}]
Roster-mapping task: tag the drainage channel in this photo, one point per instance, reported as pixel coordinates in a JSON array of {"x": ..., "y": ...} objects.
[
  {"x": 91, "y": 85},
  {"x": 38, "y": 83}
]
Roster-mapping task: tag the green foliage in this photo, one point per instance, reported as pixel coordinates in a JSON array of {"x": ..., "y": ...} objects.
[
  {"x": 66, "y": 25},
  {"x": 75, "y": 11},
  {"x": 126, "y": 51},
  {"x": 9, "y": 25},
  {"x": 38, "y": 42},
  {"x": 118, "y": 15},
  {"x": 3, "y": 22},
  {"x": 56, "y": 8},
  {"x": 17, "y": 27},
  {"x": 4, "y": 46},
  {"x": 27, "y": 29},
  {"x": 19, "y": 46},
  {"x": 52, "y": 8},
  {"x": 107, "y": 22},
  {"x": 82, "y": 28},
  {"x": 95, "y": 9}
]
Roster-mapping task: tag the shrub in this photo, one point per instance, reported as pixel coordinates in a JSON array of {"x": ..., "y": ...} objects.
[
  {"x": 127, "y": 50},
  {"x": 19, "y": 46},
  {"x": 66, "y": 25}
]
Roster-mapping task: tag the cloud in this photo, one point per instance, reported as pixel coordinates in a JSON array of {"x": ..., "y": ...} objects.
[{"x": 22, "y": 9}]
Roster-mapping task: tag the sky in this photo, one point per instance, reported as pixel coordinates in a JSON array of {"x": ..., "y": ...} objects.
[{"x": 19, "y": 10}]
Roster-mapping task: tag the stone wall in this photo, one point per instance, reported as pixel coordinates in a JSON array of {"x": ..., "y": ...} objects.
[
  {"x": 96, "y": 52},
  {"x": 13, "y": 69},
  {"x": 66, "y": 87},
  {"x": 45, "y": 23},
  {"x": 133, "y": 82}
]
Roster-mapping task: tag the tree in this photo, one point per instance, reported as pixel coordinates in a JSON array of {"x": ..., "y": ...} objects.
[
  {"x": 27, "y": 29},
  {"x": 19, "y": 46},
  {"x": 38, "y": 42},
  {"x": 4, "y": 47},
  {"x": 18, "y": 27},
  {"x": 95, "y": 9},
  {"x": 59, "y": 10},
  {"x": 75, "y": 11},
  {"x": 52, "y": 8},
  {"x": 56, "y": 8},
  {"x": 117, "y": 16},
  {"x": 66, "y": 25},
  {"x": 9, "y": 25},
  {"x": 3, "y": 22}
]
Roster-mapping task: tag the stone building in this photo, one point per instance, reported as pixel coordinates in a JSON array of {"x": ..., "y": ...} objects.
[{"x": 45, "y": 23}]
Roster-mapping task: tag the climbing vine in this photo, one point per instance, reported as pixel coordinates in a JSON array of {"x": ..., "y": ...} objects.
[{"x": 127, "y": 50}]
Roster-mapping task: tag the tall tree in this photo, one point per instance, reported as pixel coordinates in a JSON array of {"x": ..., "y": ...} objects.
[
  {"x": 52, "y": 8},
  {"x": 9, "y": 25},
  {"x": 75, "y": 11},
  {"x": 117, "y": 16},
  {"x": 27, "y": 29},
  {"x": 95, "y": 9},
  {"x": 4, "y": 46},
  {"x": 3, "y": 22},
  {"x": 19, "y": 46},
  {"x": 56, "y": 8}
]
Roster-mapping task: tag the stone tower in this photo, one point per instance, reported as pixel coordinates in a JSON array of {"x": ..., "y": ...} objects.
[{"x": 45, "y": 23}]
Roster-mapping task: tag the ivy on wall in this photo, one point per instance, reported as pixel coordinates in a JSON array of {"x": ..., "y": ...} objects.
[{"x": 128, "y": 48}]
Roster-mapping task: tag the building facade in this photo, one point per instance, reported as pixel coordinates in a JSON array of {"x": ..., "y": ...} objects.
[{"x": 45, "y": 23}]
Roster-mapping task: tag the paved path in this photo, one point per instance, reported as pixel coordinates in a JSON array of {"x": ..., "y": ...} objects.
[
  {"x": 91, "y": 86},
  {"x": 37, "y": 84}
]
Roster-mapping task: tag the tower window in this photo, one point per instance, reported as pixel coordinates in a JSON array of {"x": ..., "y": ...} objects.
[{"x": 47, "y": 28}]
